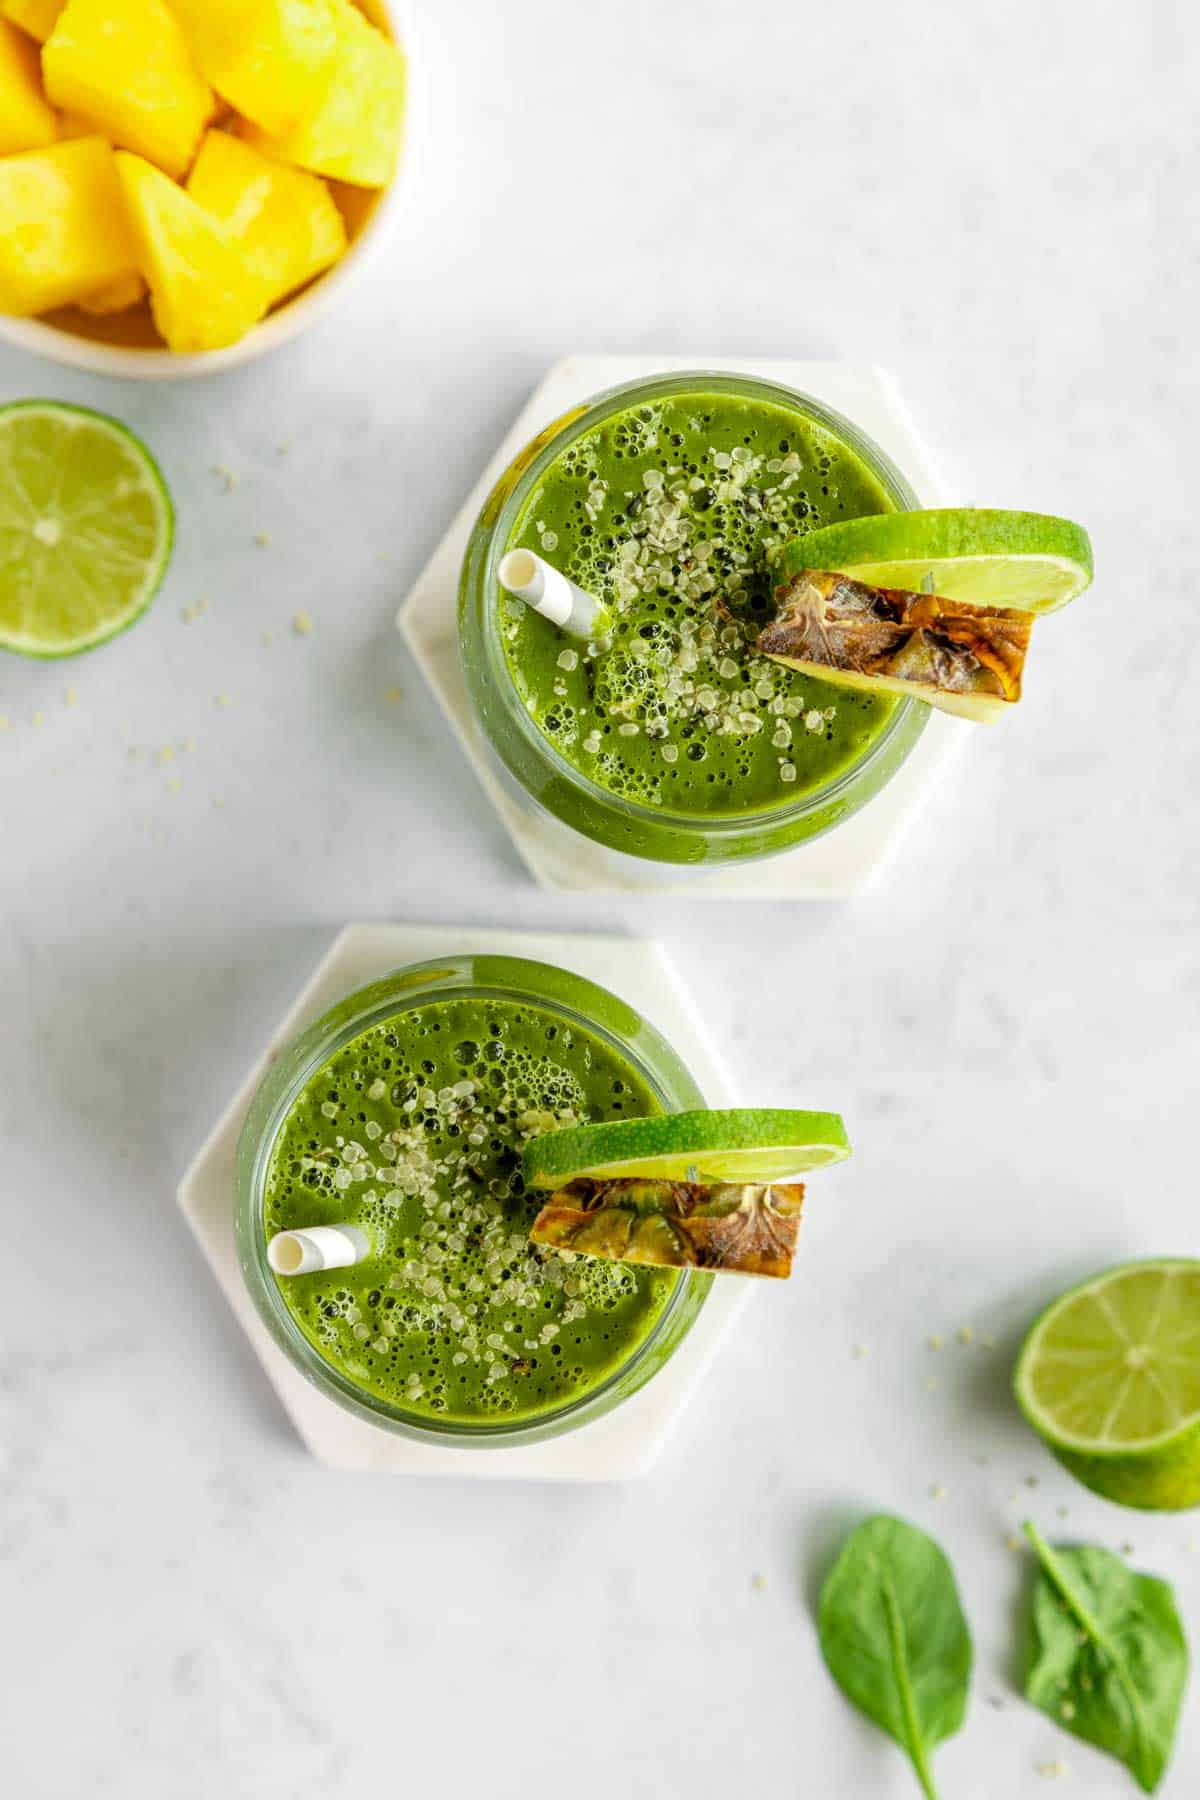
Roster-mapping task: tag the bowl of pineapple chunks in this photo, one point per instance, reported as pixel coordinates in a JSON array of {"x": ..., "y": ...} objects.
[{"x": 185, "y": 184}]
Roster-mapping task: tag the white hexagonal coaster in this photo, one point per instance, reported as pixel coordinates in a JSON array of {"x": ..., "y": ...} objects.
[
  {"x": 626, "y": 1441},
  {"x": 833, "y": 867}
]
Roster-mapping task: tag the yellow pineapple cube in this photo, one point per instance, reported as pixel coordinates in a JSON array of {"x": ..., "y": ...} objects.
[
  {"x": 37, "y": 17},
  {"x": 202, "y": 294},
  {"x": 125, "y": 65},
  {"x": 64, "y": 230},
  {"x": 284, "y": 221},
  {"x": 26, "y": 121},
  {"x": 117, "y": 296},
  {"x": 270, "y": 59},
  {"x": 354, "y": 132}
]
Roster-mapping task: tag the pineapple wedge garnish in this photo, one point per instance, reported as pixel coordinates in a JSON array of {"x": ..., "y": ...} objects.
[
  {"x": 724, "y": 1227},
  {"x": 963, "y": 659}
]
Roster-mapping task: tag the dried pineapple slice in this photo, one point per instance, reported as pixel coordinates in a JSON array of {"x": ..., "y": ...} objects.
[
  {"x": 729, "y": 1227},
  {"x": 963, "y": 659}
]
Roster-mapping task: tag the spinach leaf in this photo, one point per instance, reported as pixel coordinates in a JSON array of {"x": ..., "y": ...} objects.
[
  {"x": 894, "y": 1637},
  {"x": 1107, "y": 1655}
]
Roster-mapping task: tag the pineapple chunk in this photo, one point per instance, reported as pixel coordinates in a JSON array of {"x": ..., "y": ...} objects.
[
  {"x": 202, "y": 294},
  {"x": 37, "y": 17},
  {"x": 354, "y": 132},
  {"x": 284, "y": 220},
  {"x": 270, "y": 59},
  {"x": 117, "y": 296},
  {"x": 26, "y": 122},
  {"x": 64, "y": 230},
  {"x": 125, "y": 65}
]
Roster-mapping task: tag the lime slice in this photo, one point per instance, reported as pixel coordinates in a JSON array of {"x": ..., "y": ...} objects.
[
  {"x": 1030, "y": 561},
  {"x": 757, "y": 1145},
  {"x": 1109, "y": 1378},
  {"x": 85, "y": 528}
]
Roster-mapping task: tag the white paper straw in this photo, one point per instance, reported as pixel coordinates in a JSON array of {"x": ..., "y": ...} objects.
[
  {"x": 317, "y": 1247},
  {"x": 549, "y": 592}
]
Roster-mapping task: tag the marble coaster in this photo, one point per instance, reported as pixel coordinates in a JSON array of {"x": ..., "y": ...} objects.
[
  {"x": 836, "y": 866},
  {"x": 626, "y": 1441}
]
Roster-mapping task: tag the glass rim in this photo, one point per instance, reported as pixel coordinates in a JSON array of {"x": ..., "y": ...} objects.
[
  {"x": 524, "y": 981},
  {"x": 571, "y": 426}
]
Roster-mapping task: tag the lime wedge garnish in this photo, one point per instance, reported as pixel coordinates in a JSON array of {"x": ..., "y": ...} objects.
[
  {"x": 1029, "y": 561},
  {"x": 1109, "y": 1378},
  {"x": 755, "y": 1145},
  {"x": 85, "y": 528}
]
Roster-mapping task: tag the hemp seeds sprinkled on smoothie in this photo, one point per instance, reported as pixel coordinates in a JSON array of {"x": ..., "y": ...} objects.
[
  {"x": 672, "y": 513},
  {"x": 413, "y": 1132}
]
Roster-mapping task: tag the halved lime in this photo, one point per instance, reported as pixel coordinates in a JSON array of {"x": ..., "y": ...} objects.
[
  {"x": 1109, "y": 1378},
  {"x": 1030, "y": 561},
  {"x": 753, "y": 1145},
  {"x": 85, "y": 528}
]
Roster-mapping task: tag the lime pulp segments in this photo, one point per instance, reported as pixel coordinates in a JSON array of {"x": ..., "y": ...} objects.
[
  {"x": 1109, "y": 1378},
  {"x": 1030, "y": 561},
  {"x": 751, "y": 1145},
  {"x": 86, "y": 526}
]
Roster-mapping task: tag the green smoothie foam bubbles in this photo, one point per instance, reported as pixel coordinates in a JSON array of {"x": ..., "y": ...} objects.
[
  {"x": 668, "y": 736},
  {"x": 383, "y": 1217}
]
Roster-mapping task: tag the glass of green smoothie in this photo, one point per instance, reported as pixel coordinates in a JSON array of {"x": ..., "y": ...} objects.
[
  {"x": 403, "y": 1112},
  {"x": 670, "y": 738}
]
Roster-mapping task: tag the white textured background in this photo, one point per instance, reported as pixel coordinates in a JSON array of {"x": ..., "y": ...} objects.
[{"x": 999, "y": 205}]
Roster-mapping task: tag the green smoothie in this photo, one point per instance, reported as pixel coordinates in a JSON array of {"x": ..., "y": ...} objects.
[
  {"x": 413, "y": 1132},
  {"x": 672, "y": 512}
]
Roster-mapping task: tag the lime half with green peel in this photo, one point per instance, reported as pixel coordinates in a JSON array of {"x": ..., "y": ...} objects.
[
  {"x": 85, "y": 528},
  {"x": 1030, "y": 561},
  {"x": 751, "y": 1145},
  {"x": 1109, "y": 1378}
]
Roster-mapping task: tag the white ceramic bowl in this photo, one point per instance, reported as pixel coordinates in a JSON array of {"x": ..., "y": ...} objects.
[{"x": 155, "y": 363}]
